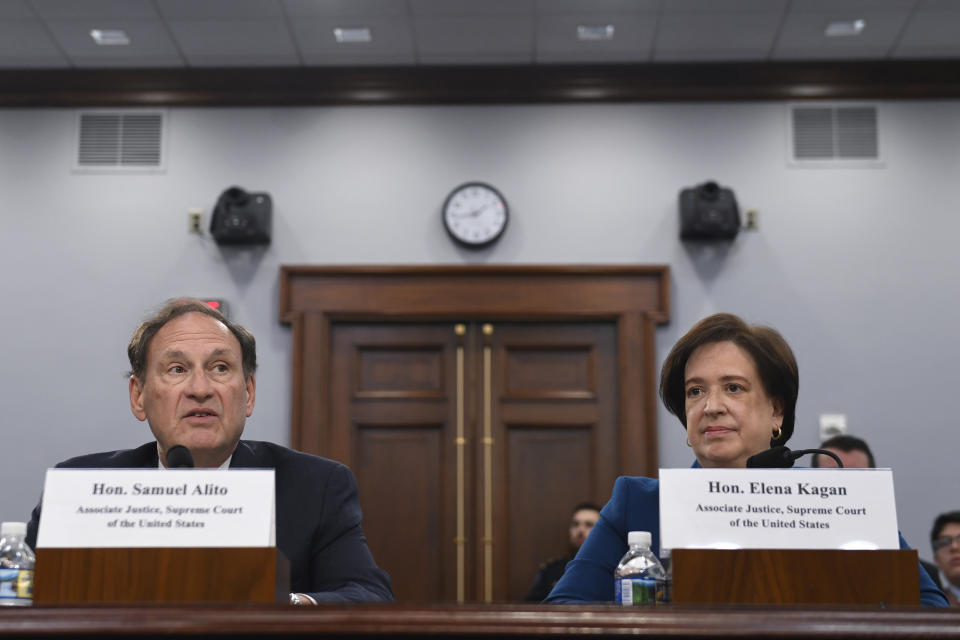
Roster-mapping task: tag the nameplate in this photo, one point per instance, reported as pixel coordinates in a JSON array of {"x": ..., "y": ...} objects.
[
  {"x": 157, "y": 508},
  {"x": 778, "y": 509}
]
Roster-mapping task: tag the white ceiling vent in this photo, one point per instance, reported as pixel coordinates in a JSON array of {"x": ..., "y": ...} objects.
[
  {"x": 846, "y": 135},
  {"x": 120, "y": 141}
]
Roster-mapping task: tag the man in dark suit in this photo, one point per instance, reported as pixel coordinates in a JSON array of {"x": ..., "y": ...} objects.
[
  {"x": 584, "y": 516},
  {"x": 192, "y": 380}
]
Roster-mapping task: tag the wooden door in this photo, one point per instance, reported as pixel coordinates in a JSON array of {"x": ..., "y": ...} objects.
[
  {"x": 470, "y": 443},
  {"x": 394, "y": 422},
  {"x": 476, "y": 405},
  {"x": 554, "y": 427}
]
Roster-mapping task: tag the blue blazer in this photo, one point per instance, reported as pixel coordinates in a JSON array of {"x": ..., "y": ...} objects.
[
  {"x": 635, "y": 506},
  {"x": 318, "y": 518}
]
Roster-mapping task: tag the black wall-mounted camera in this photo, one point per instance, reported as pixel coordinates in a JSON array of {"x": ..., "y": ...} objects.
[
  {"x": 708, "y": 212},
  {"x": 240, "y": 217}
]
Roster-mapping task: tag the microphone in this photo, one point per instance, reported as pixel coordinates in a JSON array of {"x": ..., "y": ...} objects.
[
  {"x": 178, "y": 457},
  {"x": 782, "y": 458},
  {"x": 772, "y": 458}
]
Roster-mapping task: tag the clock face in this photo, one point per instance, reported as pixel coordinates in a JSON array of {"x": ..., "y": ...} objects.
[{"x": 475, "y": 214}]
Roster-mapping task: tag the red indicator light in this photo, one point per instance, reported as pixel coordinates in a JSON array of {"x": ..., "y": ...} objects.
[{"x": 219, "y": 304}]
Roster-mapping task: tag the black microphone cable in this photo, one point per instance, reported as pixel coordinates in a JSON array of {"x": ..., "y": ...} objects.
[{"x": 781, "y": 457}]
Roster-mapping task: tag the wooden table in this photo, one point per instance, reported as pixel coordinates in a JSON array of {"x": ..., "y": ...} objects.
[{"x": 473, "y": 621}]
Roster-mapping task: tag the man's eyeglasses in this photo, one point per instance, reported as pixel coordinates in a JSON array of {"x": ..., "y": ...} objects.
[{"x": 945, "y": 541}]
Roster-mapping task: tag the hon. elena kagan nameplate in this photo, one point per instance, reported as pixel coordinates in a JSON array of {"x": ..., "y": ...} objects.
[{"x": 778, "y": 509}]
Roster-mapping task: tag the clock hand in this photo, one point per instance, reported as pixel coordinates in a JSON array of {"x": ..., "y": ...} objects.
[{"x": 470, "y": 214}]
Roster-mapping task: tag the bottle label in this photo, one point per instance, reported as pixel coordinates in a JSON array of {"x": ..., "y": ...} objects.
[
  {"x": 637, "y": 591},
  {"x": 16, "y": 586}
]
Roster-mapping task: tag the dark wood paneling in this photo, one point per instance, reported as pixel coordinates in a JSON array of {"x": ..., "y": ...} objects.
[
  {"x": 637, "y": 297},
  {"x": 482, "y": 84},
  {"x": 391, "y": 406},
  {"x": 638, "y": 446},
  {"x": 157, "y": 575},
  {"x": 484, "y": 292},
  {"x": 545, "y": 465},
  {"x": 549, "y": 373},
  {"x": 400, "y": 372},
  {"x": 574, "y": 414},
  {"x": 474, "y": 621},
  {"x": 549, "y": 471},
  {"x": 401, "y": 485},
  {"x": 881, "y": 578},
  {"x": 566, "y": 348}
]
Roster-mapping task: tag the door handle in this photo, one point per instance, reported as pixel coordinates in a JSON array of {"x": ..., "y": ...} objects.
[
  {"x": 487, "y": 330},
  {"x": 460, "y": 331}
]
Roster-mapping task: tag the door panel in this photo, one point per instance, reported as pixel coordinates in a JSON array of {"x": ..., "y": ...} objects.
[
  {"x": 555, "y": 419},
  {"x": 537, "y": 403},
  {"x": 400, "y": 472},
  {"x": 548, "y": 474},
  {"x": 548, "y": 372},
  {"x": 394, "y": 372},
  {"x": 393, "y": 410}
]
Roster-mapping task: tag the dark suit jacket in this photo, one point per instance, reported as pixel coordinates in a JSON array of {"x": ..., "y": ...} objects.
[
  {"x": 318, "y": 518},
  {"x": 548, "y": 575}
]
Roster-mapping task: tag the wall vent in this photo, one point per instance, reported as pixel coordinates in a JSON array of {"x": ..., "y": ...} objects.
[
  {"x": 834, "y": 134},
  {"x": 120, "y": 141}
]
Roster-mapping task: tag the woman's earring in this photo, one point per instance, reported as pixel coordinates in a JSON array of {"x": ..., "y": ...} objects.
[
  {"x": 777, "y": 432},
  {"x": 688, "y": 442}
]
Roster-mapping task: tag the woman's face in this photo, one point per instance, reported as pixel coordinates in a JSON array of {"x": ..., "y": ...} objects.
[{"x": 729, "y": 415}]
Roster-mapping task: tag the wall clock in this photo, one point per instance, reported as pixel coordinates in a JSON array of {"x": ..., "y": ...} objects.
[{"x": 475, "y": 214}]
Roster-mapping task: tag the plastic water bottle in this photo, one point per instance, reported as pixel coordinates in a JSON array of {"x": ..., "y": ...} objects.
[
  {"x": 639, "y": 578},
  {"x": 666, "y": 559},
  {"x": 16, "y": 565}
]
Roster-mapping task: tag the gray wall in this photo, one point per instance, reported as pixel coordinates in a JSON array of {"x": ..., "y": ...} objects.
[{"x": 856, "y": 266}]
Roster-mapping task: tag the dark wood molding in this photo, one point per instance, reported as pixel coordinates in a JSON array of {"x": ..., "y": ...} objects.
[
  {"x": 496, "y": 621},
  {"x": 307, "y": 288},
  {"x": 651, "y": 82}
]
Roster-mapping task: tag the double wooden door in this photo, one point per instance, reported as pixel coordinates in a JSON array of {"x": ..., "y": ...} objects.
[
  {"x": 476, "y": 407},
  {"x": 471, "y": 442}
]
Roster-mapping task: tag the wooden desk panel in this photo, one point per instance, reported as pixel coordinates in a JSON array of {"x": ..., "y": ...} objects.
[
  {"x": 798, "y": 576},
  {"x": 496, "y": 621},
  {"x": 157, "y": 575}
]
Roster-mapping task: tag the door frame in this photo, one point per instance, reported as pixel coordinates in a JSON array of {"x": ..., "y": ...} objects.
[{"x": 636, "y": 298}]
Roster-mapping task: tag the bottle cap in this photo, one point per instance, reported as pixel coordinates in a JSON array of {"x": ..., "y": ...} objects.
[
  {"x": 13, "y": 529},
  {"x": 639, "y": 539}
]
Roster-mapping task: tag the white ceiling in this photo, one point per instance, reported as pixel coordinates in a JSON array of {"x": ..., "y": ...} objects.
[{"x": 263, "y": 33}]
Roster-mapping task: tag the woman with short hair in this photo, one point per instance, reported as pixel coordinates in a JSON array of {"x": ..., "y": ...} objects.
[{"x": 734, "y": 388}]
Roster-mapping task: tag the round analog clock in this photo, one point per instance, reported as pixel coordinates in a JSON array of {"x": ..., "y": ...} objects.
[{"x": 475, "y": 214}]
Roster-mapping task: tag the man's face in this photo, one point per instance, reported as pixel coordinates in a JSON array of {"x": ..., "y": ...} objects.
[
  {"x": 193, "y": 391},
  {"x": 948, "y": 556},
  {"x": 855, "y": 459},
  {"x": 580, "y": 525}
]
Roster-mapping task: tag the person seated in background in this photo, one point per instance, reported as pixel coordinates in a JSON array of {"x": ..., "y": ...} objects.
[
  {"x": 855, "y": 453},
  {"x": 734, "y": 388},
  {"x": 193, "y": 381},
  {"x": 945, "y": 539},
  {"x": 852, "y": 451},
  {"x": 584, "y": 516}
]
